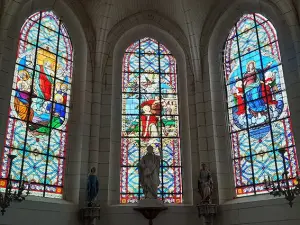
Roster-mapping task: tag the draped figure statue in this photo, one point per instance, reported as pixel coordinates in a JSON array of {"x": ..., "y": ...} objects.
[
  {"x": 149, "y": 173},
  {"x": 92, "y": 187},
  {"x": 205, "y": 184}
]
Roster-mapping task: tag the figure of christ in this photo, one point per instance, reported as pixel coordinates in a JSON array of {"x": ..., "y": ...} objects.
[
  {"x": 44, "y": 82},
  {"x": 253, "y": 89},
  {"x": 148, "y": 120},
  {"x": 148, "y": 168}
]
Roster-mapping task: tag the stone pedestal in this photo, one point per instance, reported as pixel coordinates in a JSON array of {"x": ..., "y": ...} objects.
[
  {"x": 89, "y": 215},
  {"x": 150, "y": 203},
  {"x": 207, "y": 212},
  {"x": 150, "y": 208}
]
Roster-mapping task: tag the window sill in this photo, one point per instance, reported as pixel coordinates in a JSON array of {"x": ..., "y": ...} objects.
[
  {"x": 136, "y": 205},
  {"x": 45, "y": 204},
  {"x": 48, "y": 200},
  {"x": 256, "y": 201}
]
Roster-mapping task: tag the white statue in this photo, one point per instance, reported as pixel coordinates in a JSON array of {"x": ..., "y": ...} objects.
[{"x": 149, "y": 173}]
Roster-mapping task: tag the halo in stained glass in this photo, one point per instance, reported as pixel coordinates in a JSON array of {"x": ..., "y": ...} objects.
[
  {"x": 38, "y": 113},
  {"x": 150, "y": 117},
  {"x": 258, "y": 109}
]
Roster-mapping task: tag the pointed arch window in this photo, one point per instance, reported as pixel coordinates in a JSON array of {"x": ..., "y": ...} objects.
[
  {"x": 39, "y": 106},
  {"x": 259, "y": 116},
  {"x": 150, "y": 117}
]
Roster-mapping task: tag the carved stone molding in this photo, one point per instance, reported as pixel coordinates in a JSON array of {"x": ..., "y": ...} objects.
[
  {"x": 89, "y": 215},
  {"x": 150, "y": 213},
  {"x": 207, "y": 212}
]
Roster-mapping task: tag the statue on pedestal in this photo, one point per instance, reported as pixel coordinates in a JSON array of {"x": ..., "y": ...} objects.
[
  {"x": 148, "y": 168},
  {"x": 149, "y": 173},
  {"x": 92, "y": 187},
  {"x": 205, "y": 184}
]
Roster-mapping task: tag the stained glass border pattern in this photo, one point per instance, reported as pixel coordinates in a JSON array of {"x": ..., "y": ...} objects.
[
  {"x": 39, "y": 108},
  {"x": 150, "y": 79},
  {"x": 259, "y": 117}
]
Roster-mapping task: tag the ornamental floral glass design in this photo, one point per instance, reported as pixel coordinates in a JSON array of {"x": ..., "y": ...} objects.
[
  {"x": 150, "y": 117},
  {"x": 259, "y": 117},
  {"x": 39, "y": 106}
]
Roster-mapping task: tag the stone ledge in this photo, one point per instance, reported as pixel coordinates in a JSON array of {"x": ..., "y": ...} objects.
[
  {"x": 44, "y": 204},
  {"x": 90, "y": 213},
  {"x": 128, "y": 208},
  {"x": 257, "y": 201}
]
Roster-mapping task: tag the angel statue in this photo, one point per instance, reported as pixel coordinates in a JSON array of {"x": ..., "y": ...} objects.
[
  {"x": 92, "y": 187},
  {"x": 205, "y": 184}
]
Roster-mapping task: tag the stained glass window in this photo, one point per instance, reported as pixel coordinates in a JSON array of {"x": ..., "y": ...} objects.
[
  {"x": 39, "y": 107},
  {"x": 259, "y": 116},
  {"x": 150, "y": 117}
]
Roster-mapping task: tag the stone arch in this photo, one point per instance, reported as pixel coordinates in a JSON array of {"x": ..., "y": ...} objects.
[
  {"x": 75, "y": 20},
  {"x": 284, "y": 8},
  {"x": 148, "y": 17},
  {"x": 212, "y": 42},
  {"x": 126, "y": 32}
]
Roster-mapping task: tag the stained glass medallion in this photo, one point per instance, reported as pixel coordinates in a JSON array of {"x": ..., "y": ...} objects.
[
  {"x": 150, "y": 117},
  {"x": 39, "y": 106},
  {"x": 259, "y": 116}
]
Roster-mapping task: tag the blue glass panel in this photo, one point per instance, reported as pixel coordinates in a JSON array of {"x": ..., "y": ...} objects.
[
  {"x": 148, "y": 46},
  {"x": 38, "y": 112},
  {"x": 259, "y": 117},
  {"x": 150, "y": 117}
]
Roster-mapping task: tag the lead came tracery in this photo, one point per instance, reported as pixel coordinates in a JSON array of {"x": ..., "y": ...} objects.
[
  {"x": 259, "y": 117},
  {"x": 39, "y": 106},
  {"x": 150, "y": 117}
]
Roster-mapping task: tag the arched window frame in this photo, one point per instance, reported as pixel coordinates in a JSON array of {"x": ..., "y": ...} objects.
[
  {"x": 77, "y": 142},
  {"x": 155, "y": 87},
  {"x": 43, "y": 46},
  {"x": 260, "y": 25},
  {"x": 117, "y": 53},
  {"x": 216, "y": 143}
]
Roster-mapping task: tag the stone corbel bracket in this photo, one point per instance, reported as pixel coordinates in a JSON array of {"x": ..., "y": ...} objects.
[
  {"x": 208, "y": 212},
  {"x": 90, "y": 214},
  {"x": 150, "y": 213}
]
